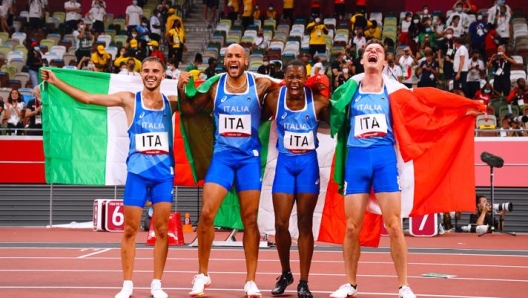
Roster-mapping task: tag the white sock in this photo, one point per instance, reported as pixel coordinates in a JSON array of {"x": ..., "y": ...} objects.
[
  {"x": 156, "y": 284},
  {"x": 128, "y": 284},
  {"x": 126, "y": 291},
  {"x": 156, "y": 291}
]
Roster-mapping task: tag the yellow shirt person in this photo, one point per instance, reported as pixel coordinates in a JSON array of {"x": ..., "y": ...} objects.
[
  {"x": 318, "y": 32},
  {"x": 234, "y": 5},
  {"x": 271, "y": 13},
  {"x": 256, "y": 13},
  {"x": 177, "y": 37},
  {"x": 248, "y": 8},
  {"x": 373, "y": 33},
  {"x": 101, "y": 59},
  {"x": 172, "y": 17}
]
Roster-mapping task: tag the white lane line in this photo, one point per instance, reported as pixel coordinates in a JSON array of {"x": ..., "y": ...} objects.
[
  {"x": 94, "y": 253},
  {"x": 491, "y": 280}
]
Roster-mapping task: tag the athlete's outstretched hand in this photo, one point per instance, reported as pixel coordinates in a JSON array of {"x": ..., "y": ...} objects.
[
  {"x": 183, "y": 79},
  {"x": 48, "y": 76}
]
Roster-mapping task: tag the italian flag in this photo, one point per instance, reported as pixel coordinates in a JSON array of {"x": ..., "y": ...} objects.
[
  {"x": 88, "y": 144},
  {"x": 435, "y": 162}
]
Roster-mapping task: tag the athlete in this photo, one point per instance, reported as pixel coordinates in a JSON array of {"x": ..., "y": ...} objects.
[
  {"x": 371, "y": 163},
  {"x": 150, "y": 163},
  {"x": 297, "y": 113},
  {"x": 235, "y": 100}
]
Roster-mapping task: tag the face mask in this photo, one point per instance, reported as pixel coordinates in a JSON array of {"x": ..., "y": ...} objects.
[
  {"x": 416, "y": 21},
  {"x": 81, "y": 27},
  {"x": 203, "y": 77},
  {"x": 487, "y": 91},
  {"x": 479, "y": 18},
  {"x": 134, "y": 35},
  {"x": 265, "y": 63},
  {"x": 151, "y": 48},
  {"x": 36, "y": 49},
  {"x": 425, "y": 11},
  {"x": 271, "y": 8},
  {"x": 427, "y": 29},
  {"x": 345, "y": 70},
  {"x": 459, "y": 9},
  {"x": 449, "y": 36}
]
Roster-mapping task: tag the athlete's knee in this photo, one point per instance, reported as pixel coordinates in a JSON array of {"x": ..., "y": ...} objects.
[
  {"x": 305, "y": 229},
  {"x": 130, "y": 230},
  {"x": 207, "y": 216},
  {"x": 305, "y": 218},
  {"x": 281, "y": 227},
  {"x": 161, "y": 230},
  {"x": 249, "y": 219},
  {"x": 352, "y": 229},
  {"x": 394, "y": 227}
]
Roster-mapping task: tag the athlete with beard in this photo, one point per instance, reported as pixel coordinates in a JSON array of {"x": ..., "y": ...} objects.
[
  {"x": 371, "y": 163},
  {"x": 150, "y": 165},
  {"x": 297, "y": 113},
  {"x": 235, "y": 100}
]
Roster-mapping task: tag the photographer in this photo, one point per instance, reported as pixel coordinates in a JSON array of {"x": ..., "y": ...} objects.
[
  {"x": 501, "y": 64},
  {"x": 519, "y": 95},
  {"x": 514, "y": 124},
  {"x": 483, "y": 215}
]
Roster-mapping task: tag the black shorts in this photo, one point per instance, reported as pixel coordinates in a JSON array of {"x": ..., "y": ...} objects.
[
  {"x": 98, "y": 26},
  {"x": 212, "y": 3}
]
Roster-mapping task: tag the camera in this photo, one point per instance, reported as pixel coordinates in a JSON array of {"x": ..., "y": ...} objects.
[
  {"x": 472, "y": 228},
  {"x": 519, "y": 119},
  {"x": 508, "y": 207}
]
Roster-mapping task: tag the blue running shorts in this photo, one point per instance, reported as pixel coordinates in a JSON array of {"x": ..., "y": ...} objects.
[
  {"x": 371, "y": 167},
  {"x": 297, "y": 174},
  {"x": 227, "y": 166},
  {"x": 138, "y": 190}
]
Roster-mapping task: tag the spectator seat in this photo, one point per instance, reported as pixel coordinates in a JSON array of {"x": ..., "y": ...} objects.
[
  {"x": 23, "y": 77},
  {"x": 4, "y": 78},
  {"x": 14, "y": 84}
]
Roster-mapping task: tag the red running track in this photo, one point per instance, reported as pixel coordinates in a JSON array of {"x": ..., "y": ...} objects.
[{"x": 63, "y": 263}]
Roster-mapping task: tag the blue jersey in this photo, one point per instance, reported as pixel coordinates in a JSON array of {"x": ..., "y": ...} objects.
[
  {"x": 150, "y": 153},
  {"x": 296, "y": 130},
  {"x": 237, "y": 118},
  {"x": 370, "y": 120}
]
